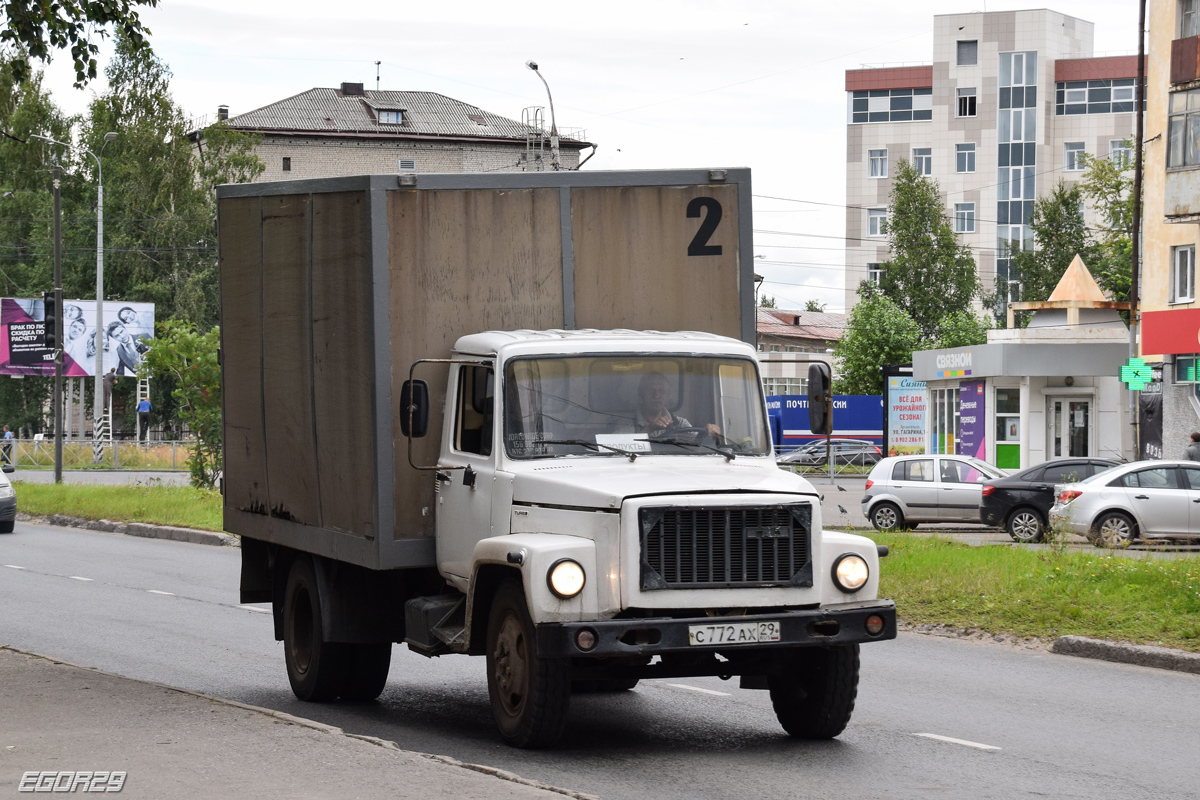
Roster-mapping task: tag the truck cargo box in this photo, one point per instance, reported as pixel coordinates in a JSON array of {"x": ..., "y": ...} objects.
[{"x": 331, "y": 289}]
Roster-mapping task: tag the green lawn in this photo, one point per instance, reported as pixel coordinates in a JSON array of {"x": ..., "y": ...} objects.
[
  {"x": 1040, "y": 593},
  {"x": 163, "y": 505}
]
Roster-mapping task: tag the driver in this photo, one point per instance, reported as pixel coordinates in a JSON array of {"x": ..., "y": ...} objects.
[{"x": 653, "y": 416}]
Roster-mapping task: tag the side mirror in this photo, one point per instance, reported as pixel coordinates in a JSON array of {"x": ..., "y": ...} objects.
[{"x": 414, "y": 409}]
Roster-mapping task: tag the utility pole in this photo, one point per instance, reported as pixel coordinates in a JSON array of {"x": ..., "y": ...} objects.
[
  {"x": 58, "y": 330},
  {"x": 1135, "y": 255}
]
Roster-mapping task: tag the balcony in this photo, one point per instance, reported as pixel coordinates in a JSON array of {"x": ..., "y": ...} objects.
[{"x": 1185, "y": 60}]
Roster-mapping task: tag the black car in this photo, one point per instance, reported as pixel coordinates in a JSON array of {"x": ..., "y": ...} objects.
[{"x": 1021, "y": 503}]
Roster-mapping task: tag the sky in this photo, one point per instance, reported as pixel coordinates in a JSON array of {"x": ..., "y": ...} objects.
[{"x": 657, "y": 84}]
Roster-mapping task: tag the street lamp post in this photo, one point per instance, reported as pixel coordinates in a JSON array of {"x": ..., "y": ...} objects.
[
  {"x": 555, "y": 162},
  {"x": 98, "y": 386}
]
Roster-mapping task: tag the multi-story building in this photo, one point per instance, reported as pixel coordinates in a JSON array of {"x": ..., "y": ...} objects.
[
  {"x": 326, "y": 133},
  {"x": 1171, "y": 221},
  {"x": 788, "y": 341},
  {"x": 1003, "y": 112}
]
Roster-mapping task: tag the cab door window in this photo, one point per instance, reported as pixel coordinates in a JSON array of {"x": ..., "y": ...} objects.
[{"x": 475, "y": 406}]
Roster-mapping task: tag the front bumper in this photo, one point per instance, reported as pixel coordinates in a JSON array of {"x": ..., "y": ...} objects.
[
  {"x": 844, "y": 623},
  {"x": 8, "y": 509}
]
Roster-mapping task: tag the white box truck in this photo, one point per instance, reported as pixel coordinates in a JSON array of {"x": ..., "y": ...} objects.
[{"x": 519, "y": 416}]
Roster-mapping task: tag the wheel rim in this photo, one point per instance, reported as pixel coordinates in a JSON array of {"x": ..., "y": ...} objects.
[
  {"x": 1025, "y": 526},
  {"x": 885, "y": 517},
  {"x": 1115, "y": 530},
  {"x": 302, "y": 630},
  {"x": 511, "y": 665}
]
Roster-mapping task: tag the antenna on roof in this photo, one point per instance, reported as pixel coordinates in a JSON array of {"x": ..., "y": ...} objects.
[{"x": 377, "y": 76}]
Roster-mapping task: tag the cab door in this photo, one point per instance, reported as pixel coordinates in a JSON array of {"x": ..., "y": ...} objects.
[{"x": 464, "y": 496}]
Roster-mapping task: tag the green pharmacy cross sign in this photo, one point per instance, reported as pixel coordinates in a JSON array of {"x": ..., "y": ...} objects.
[{"x": 1136, "y": 374}]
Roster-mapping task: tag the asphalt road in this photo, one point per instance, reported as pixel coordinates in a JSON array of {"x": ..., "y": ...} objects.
[{"x": 1012, "y": 722}]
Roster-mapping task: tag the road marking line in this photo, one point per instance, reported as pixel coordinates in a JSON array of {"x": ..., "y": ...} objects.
[
  {"x": 256, "y": 608},
  {"x": 77, "y": 578},
  {"x": 698, "y": 689},
  {"x": 156, "y": 591},
  {"x": 13, "y": 566},
  {"x": 963, "y": 742}
]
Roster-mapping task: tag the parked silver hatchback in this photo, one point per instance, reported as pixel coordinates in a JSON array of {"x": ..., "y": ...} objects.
[
  {"x": 903, "y": 491},
  {"x": 1141, "y": 500}
]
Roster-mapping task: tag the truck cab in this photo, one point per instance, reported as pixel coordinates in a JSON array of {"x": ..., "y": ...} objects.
[{"x": 608, "y": 508}]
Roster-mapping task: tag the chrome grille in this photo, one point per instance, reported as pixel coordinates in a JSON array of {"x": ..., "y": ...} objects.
[{"x": 695, "y": 547}]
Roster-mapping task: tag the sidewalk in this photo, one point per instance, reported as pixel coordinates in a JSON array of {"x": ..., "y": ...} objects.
[{"x": 171, "y": 743}]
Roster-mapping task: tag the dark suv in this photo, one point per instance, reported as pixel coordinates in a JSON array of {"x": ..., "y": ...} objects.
[{"x": 1021, "y": 503}]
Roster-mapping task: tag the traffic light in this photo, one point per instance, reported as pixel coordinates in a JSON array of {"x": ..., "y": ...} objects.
[
  {"x": 820, "y": 399},
  {"x": 50, "y": 315}
]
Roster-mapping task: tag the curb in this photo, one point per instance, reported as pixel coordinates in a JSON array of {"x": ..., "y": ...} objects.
[
  {"x": 332, "y": 730},
  {"x": 1138, "y": 654},
  {"x": 142, "y": 529}
]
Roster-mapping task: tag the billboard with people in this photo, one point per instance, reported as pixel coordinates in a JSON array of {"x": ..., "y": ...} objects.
[{"x": 124, "y": 334}]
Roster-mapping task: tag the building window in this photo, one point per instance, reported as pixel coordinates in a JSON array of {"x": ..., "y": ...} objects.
[
  {"x": 391, "y": 117},
  {"x": 1094, "y": 97},
  {"x": 1189, "y": 18},
  {"x": 966, "y": 102},
  {"x": 1071, "y": 160},
  {"x": 923, "y": 160},
  {"x": 1120, "y": 152},
  {"x": 946, "y": 424},
  {"x": 1018, "y": 69},
  {"x": 964, "y": 217},
  {"x": 287, "y": 163},
  {"x": 968, "y": 53},
  {"x": 964, "y": 157},
  {"x": 891, "y": 105},
  {"x": 777, "y": 386},
  {"x": 875, "y": 273},
  {"x": 876, "y": 221},
  {"x": 878, "y": 163},
  {"x": 1183, "y": 127},
  {"x": 1008, "y": 415},
  {"x": 1183, "y": 274}
]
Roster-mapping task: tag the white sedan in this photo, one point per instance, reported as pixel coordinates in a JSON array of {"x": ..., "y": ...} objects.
[{"x": 1141, "y": 500}]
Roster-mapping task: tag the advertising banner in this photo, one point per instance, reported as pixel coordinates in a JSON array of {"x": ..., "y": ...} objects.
[
  {"x": 972, "y": 420},
  {"x": 854, "y": 417},
  {"x": 123, "y": 337},
  {"x": 1150, "y": 425},
  {"x": 907, "y": 401}
]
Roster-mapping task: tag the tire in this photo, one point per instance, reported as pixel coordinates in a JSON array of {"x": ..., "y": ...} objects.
[
  {"x": 7, "y": 527},
  {"x": 316, "y": 668},
  {"x": 530, "y": 695},
  {"x": 603, "y": 685},
  {"x": 887, "y": 517},
  {"x": 1025, "y": 526},
  {"x": 1113, "y": 529},
  {"x": 815, "y": 699},
  {"x": 367, "y": 668}
]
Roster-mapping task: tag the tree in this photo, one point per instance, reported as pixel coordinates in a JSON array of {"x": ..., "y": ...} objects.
[
  {"x": 878, "y": 332},
  {"x": 1059, "y": 234},
  {"x": 767, "y": 301},
  {"x": 960, "y": 329},
  {"x": 930, "y": 273},
  {"x": 33, "y": 29},
  {"x": 813, "y": 305},
  {"x": 187, "y": 358},
  {"x": 1108, "y": 185}
]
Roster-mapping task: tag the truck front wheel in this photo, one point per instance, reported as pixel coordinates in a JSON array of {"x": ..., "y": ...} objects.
[
  {"x": 529, "y": 694},
  {"x": 316, "y": 668},
  {"x": 814, "y": 697}
]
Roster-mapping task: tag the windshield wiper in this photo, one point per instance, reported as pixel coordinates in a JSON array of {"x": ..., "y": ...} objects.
[
  {"x": 729, "y": 456},
  {"x": 591, "y": 446}
]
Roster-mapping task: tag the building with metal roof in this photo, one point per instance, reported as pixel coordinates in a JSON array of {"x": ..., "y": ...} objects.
[{"x": 325, "y": 133}]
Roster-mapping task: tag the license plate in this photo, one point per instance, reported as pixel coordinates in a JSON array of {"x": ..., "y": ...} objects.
[{"x": 734, "y": 633}]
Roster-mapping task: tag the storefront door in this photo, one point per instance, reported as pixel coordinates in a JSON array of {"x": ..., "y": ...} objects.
[{"x": 1070, "y": 427}]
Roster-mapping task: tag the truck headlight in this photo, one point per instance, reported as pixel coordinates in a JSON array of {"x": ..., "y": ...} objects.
[
  {"x": 565, "y": 578},
  {"x": 850, "y": 572},
  {"x": 6, "y": 491}
]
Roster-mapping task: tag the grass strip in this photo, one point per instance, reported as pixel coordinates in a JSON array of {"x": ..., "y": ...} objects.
[
  {"x": 1041, "y": 593},
  {"x": 182, "y": 506}
]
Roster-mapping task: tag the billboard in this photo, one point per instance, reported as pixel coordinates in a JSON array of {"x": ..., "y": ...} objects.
[
  {"x": 23, "y": 351},
  {"x": 972, "y": 419},
  {"x": 854, "y": 417},
  {"x": 907, "y": 400}
]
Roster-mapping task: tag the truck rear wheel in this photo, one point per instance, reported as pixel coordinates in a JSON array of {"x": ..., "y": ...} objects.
[
  {"x": 529, "y": 694},
  {"x": 316, "y": 668},
  {"x": 814, "y": 698},
  {"x": 367, "y": 668}
]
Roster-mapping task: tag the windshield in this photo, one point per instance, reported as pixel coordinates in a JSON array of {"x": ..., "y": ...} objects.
[
  {"x": 987, "y": 469},
  {"x": 612, "y": 405}
]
